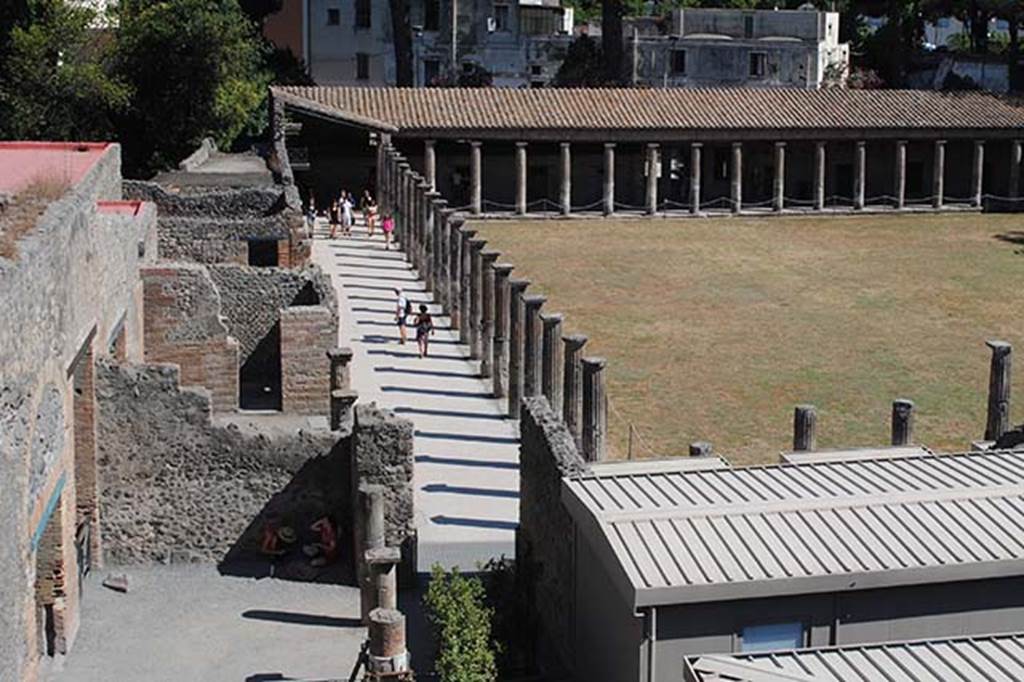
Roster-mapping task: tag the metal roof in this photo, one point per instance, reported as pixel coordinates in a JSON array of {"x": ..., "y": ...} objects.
[
  {"x": 995, "y": 658},
  {"x": 853, "y": 454},
  {"x": 691, "y": 536}
]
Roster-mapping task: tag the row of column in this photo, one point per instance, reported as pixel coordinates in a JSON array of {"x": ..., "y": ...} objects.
[
  {"x": 520, "y": 349},
  {"x": 652, "y": 165}
]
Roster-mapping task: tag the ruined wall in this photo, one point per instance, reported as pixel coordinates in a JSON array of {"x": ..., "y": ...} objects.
[
  {"x": 184, "y": 326},
  {"x": 176, "y": 487},
  {"x": 205, "y": 202},
  {"x": 217, "y": 240},
  {"x": 307, "y": 333},
  {"x": 544, "y": 542}
]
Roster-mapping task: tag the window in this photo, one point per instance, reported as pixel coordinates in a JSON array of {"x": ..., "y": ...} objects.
[
  {"x": 536, "y": 70},
  {"x": 758, "y": 62},
  {"x": 431, "y": 15},
  {"x": 362, "y": 13},
  {"x": 501, "y": 18},
  {"x": 362, "y": 66},
  {"x": 431, "y": 70},
  {"x": 748, "y": 27},
  {"x": 773, "y": 636},
  {"x": 679, "y": 61},
  {"x": 538, "y": 21},
  {"x": 333, "y": 17}
]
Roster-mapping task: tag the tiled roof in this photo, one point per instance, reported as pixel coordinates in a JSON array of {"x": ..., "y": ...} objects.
[{"x": 419, "y": 110}]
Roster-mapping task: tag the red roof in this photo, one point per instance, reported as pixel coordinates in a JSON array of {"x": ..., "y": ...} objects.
[
  {"x": 129, "y": 207},
  {"x": 22, "y": 163}
]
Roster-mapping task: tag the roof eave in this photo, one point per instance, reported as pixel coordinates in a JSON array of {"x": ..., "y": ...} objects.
[{"x": 306, "y": 105}]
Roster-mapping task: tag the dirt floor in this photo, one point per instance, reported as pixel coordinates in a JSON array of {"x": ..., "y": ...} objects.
[{"x": 714, "y": 329}]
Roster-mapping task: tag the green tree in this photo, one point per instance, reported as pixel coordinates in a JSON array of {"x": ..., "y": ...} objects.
[
  {"x": 462, "y": 624},
  {"x": 196, "y": 70},
  {"x": 582, "y": 66},
  {"x": 54, "y": 82}
]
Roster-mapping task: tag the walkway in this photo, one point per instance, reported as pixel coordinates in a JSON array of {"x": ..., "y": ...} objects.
[{"x": 466, "y": 477}]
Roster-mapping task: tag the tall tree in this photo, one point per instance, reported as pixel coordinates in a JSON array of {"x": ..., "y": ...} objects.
[
  {"x": 401, "y": 37},
  {"x": 612, "y": 41}
]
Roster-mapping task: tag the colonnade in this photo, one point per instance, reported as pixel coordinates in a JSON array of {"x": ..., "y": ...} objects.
[
  {"x": 521, "y": 349},
  {"x": 652, "y": 152}
]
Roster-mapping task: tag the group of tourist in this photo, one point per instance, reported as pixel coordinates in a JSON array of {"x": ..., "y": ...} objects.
[
  {"x": 422, "y": 321},
  {"x": 340, "y": 214}
]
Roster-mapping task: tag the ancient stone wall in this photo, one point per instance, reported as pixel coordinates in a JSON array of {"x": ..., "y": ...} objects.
[
  {"x": 307, "y": 333},
  {"x": 176, "y": 487},
  {"x": 544, "y": 551},
  {"x": 205, "y": 202}
]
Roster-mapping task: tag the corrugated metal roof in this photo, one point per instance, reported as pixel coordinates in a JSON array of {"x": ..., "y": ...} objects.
[
  {"x": 995, "y": 658},
  {"x": 853, "y": 454},
  {"x": 787, "y": 529}
]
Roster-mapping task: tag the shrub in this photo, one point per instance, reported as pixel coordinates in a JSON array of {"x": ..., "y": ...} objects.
[{"x": 462, "y": 627}]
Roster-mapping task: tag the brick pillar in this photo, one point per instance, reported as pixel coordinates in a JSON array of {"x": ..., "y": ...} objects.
[
  {"x": 521, "y": 178},
  {"x": 532, "y": 338},
  {"x": 572, "y": 385},
  {"x": 487, "y": 259},
  {"x": 499, "y": 353},
  {"x": 465, "y": 284},
  {"x": 476, "y": 297},
  {"x": 551, "y": 365},
  {"x": 696, "y": 167},
  {"x": 595, "y": 411},
  {"x": 517, "y": 287}
]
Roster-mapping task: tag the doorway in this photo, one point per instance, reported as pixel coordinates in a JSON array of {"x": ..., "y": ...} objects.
[{"x": 260, "y": 376}]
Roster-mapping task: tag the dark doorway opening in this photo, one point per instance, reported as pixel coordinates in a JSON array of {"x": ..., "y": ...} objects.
[
  {"x": 263, "y": 253},
  {"x": 260, "y": 376}
]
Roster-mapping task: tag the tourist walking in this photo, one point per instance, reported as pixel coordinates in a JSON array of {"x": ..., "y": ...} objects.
[
  {"x": 346, "y": 213},
  {"x": 424, "y": 328},
  {"x": 369, "y": 207},
  {"x": 387, "y": 226},
  {"x": 334, "y": 217},
  {"x": 403, "y": 308}
]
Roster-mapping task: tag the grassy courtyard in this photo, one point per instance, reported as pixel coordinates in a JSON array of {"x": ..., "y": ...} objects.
[{"x": 714, "y": 329}]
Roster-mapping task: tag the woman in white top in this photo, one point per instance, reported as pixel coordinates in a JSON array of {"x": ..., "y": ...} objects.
[{"x": 346, "y": 212}]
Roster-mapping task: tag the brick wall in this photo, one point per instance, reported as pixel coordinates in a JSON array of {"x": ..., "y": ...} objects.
[
  {"x": 183, "y": 326},
  {"x": 307, "y": 333}
]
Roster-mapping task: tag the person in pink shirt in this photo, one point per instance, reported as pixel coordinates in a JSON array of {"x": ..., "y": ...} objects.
[{"x": 387, "y": 226}]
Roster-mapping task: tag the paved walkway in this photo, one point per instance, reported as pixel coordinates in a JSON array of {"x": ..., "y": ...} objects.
[{"x": 467, "y": 453}]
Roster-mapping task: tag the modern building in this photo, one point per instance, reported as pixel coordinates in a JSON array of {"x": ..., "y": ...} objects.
[
  {"x": 654, "y": 150},
  {"x": 747, "y": 48}
]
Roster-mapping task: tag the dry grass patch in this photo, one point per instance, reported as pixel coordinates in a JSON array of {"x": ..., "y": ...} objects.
[
  {"x": 714, "y": 329},
  {"x": 19, "y": 214}
]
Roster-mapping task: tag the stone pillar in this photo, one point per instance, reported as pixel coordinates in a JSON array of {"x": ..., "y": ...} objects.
[
  {"x": 700, "y": 448},
  {"x": 430, "y": 164},
  {"x": 978, "y": 173},
  {"x": 805, "y": 425},
  {"x": 516, "y": 287},
  {"x": 532, "y": 340},
  {"x": 402, "y": 207},
  {"x": 370, "y": 535},
  {"x": 341, "y": 374},
  {"x": 475, "y": 178},
  {"x": 521, "y": 178},
  {"x": 465, "y": 284},
  {"x": 476, "y": 298},
  {"x": 425, "y": 200},
  {"x": 737, "y": 177},
  {"x": 820, "y": 165},
  {"x": 572, "y": 385},
  {"x": 387, "y": 653},
  {"x": 609, "y": 178},
  {"x": 566, "y": 194},
  {"x": 902, "y": 422},
  {"x": 551, "y": 369},
  {"x": 652, "y": 178},
  {"x": 378, "y": 181},
  {"x": 779, "y": 179},
  {"x": 998, "y": 421},
  {"x": 445, "y": 254},
  {"x": 696, "y": 168},
  {"x": 455, "y": 271},
  {"x": 595, "y": 411},
  {"x": 860, "y": 179},
  {"x": 382, "y": 563},
  {"x": 341, "y": 402},
  {"x": 437, "y": 247},
  {"x": 499, "y": 353},
  {"x": 939, "y": 175},
  {"x": 1016, "y": 150},
  {"x": 901, "y": 174},
  {"x": 487, "y": 259}
]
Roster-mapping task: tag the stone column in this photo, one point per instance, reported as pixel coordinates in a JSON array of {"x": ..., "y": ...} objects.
[
  {"x": 978, "y": 174},
  {"x": 820, "y": 165},
  {"x": 1016, "y": 149},
  {"x": 465, "y": 285},
  {"x": 902, "y": 422},
  {"x": 700, "y": 448},
  {"x": 532, "y": 340},
  {"x": 998, "y": 421},
  {"x": 342, "y": 400},
  {"x": 737, "y": 177},
  {"x": 387, "y": 654},
  {"x": 499, "y": 353},
  {"x": 609, "y": 178},
  {"x": 430, "y": 164},
  {"x": 402, "y": 207},
  {"x": 379, "y": 189},
  {"x": 566, "y": 194},
  {"x": 341, "y": 375},
  {"x": 901, "y": 174},
  {"x": 487, "y": 259},
  {"x": 437, "y": 247},
  {"x": 860, "y": 179},
  {"x": 476, "y": 298},
  {"x": 521, "y": 179},
  {"x": 594, "y": 436},
  {"x": 779, "y": 181},
  {"x": 572, "y": 385},
  {"x": 652, "y": 178},
  {"x": 370, "y": 535},
  {"x": 382, "y": 563},
  {"x": 516, "y": 287},
  {"x": 695, "y": 174},
  {"x": 805, "y": 425},
  {"x": 455, "y": 271},
  {"x": 939, "y": 175},
  {"x": 475, "y": 178},
  {"x": 551, "y": 365},
  {"x": 426, "y": 202}
]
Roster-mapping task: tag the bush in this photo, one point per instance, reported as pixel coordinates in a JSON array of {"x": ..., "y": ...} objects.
[
  {"x": 462, "y": 627},
  {"x": 513, "y": 625}
]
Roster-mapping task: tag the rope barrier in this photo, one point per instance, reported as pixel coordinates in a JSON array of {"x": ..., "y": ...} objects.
[{"x": 631, "y": 429}]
